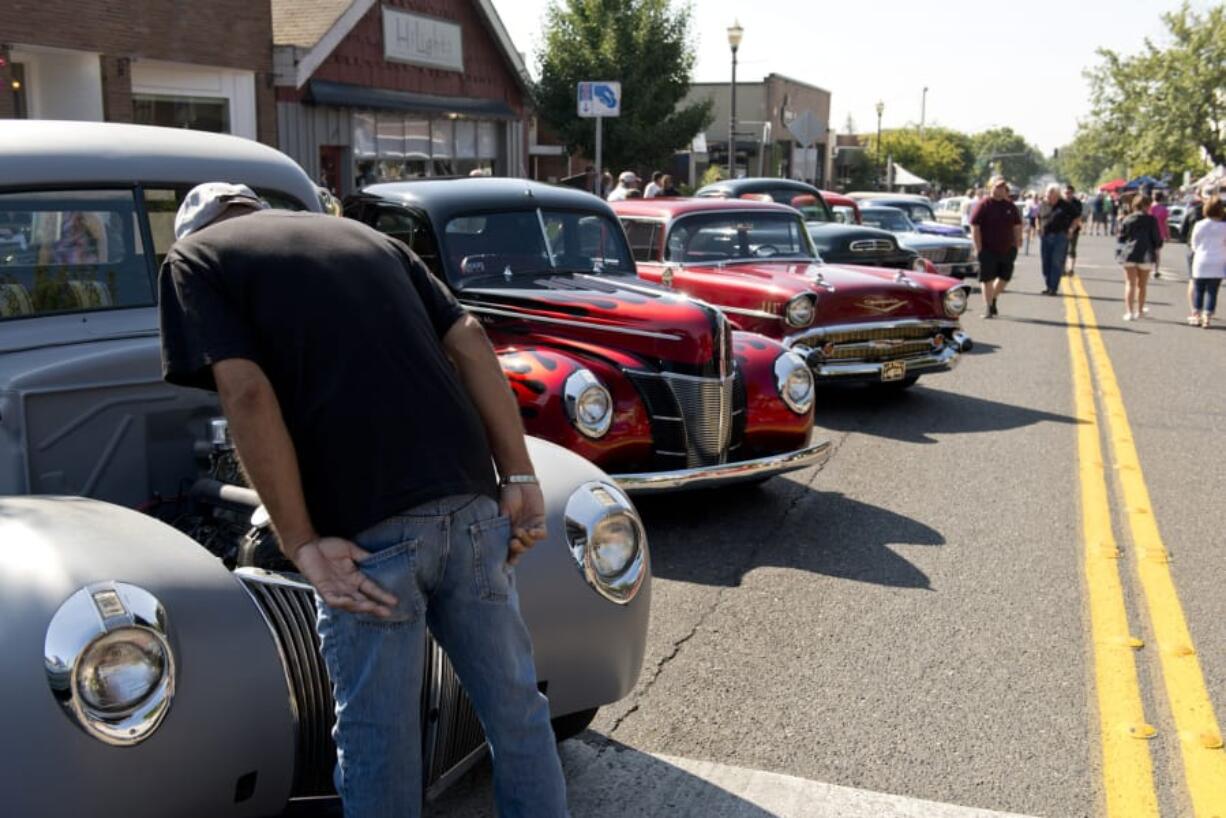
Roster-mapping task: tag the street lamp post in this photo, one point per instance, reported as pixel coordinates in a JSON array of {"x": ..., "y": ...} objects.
[
  {"x": 734, "y": 40},
  {"x": 923, "y": 110},
  {"x": 880, "y": 110}
]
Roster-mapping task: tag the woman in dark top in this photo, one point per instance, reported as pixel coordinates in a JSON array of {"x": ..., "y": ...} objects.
[{"x": 1136, "y": 249}]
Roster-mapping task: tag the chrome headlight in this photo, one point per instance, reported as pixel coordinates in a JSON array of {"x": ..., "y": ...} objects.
[
  {"x": 955, "y": 301},
  {"x": 109, "y": 661},
  {"x": 795, "y": 382},
  {"x": 607, "y": 540},
  {"x": 588, "y": 404},
  {"x": 801, "y": 310}
]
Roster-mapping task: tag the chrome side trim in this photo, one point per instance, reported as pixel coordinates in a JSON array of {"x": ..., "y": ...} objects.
[
  {"x": 768, "y": 316},
  {"x": 523, "y": 316},
  {"x": 725, "y": 473}
]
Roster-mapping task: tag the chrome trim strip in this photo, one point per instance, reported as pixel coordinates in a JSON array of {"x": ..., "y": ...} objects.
[
  {"x": 822, "y": 332},
  {"x": 752, "y": 313},
  {"x": 724, "y": 473},
  {"x": 509, "y": 313}
]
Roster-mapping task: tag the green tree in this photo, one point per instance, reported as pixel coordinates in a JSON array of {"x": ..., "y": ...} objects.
[
  {"x": 1018, "y": 160},
  {"x": 942, "y": 156},
  {"x": 1091, "y": 159},
  {"x": 1165, "y": 105},
  {"x": 645, "y": 45}
]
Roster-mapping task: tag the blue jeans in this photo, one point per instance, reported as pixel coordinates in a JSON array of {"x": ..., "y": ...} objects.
[
  {"x": 446, "y": 562},
  {"x": 1052, "y": 249},
  {"x": 1204, "y": 294}
]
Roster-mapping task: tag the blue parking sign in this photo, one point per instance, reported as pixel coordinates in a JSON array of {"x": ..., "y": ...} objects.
[{"x": 599, "y": 99}]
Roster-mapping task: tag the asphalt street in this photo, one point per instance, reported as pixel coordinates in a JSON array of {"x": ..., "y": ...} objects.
[{"x": 914, "y": 618}]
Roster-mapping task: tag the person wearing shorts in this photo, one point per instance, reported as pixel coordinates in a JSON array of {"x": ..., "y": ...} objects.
[
  {"x": 996, "y": 230},
  {"x": 1070, "y": 196},
  {"x": 1137, "y": 250}
]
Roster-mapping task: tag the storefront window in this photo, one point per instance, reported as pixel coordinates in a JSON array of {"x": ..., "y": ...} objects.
[
  {"x": 363, "y": 135},
  {"x": 389, "y": 135},
  {"x": 442, "y": 135},
  {"x": 487, "y": 140},
  {"x": 197, "y": 113},
  {"x": 466, "y": 139},
  {"x": 389, "y": 146},
  {"x": 417, "y": 147}
]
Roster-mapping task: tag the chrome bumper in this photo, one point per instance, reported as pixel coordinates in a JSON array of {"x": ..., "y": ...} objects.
[
  {"x": 964, "y": 269},
  {"x": 941, "y": 360},
  {"x": 723, "y": 474}
]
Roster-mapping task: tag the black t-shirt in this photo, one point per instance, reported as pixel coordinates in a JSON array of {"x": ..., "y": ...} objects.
[
  {"x": 1062, "y": 215},
  {"x": 346, "y": 324},
  {"x": 996, "y": 219}
]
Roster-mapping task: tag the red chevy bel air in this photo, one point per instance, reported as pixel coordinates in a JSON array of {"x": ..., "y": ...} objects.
[
  {"x": 757, "y": 262},
  {"x": 656, "y": 388}
]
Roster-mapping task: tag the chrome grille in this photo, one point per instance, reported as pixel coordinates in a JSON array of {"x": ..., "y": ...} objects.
[
  {"x": 871, "y": 246},
  {"x": 934, "y": 254},
  {"x": 879, "y": 350},
  {"x": 452, "y": 737},
  {"x": 880, "y": 334},
  {"x": 691, "y": 417},
  {"x": 946, "y": 255}
]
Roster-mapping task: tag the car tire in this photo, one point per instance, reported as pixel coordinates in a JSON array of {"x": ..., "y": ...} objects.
[{"x": 572, "y": 724}]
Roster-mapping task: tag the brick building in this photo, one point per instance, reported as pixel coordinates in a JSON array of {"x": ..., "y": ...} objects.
[
  {"x": 203, "y": 65},
  {"x": 370, "y": 92}
]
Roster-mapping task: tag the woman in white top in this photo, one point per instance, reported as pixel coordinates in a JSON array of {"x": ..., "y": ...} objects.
[{"x": 1208, "y": 245}]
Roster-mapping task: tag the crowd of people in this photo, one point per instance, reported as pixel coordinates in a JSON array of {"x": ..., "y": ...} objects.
[{"x": 630, "y": 186}]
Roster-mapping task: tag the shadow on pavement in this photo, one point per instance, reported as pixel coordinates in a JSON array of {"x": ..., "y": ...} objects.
[
  {"x": 1043, "y": 322},
  {"x": 781, "y": 525},
  {"x": 919, "y": 414},
  {"x": 607, "y": 778},
  {"x": 982, "y": 348}
]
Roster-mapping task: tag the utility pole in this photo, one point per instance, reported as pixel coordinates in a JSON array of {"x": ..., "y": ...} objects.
[
  {"x": 734, "y": 40},
  {"x": 880, "y": 110}
]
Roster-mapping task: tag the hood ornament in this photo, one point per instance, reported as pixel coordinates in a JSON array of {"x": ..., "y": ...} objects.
[
  {"x": 666, "y": 278},
  {"x": 506, "y": 273},
  {"x": 882, "y": 305},
  {"x": 819, "y": 279},
  {"x": 903, "y": 278}
]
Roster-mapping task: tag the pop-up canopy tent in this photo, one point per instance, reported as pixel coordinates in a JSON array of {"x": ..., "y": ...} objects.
[
  {"x": 1145, "y": 181},
  {"x": 1113, "y": 185},
  {"x": 901, "y": 177}
]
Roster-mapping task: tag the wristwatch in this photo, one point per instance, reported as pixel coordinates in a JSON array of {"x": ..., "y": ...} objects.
[{"x": 519, "y": 480}]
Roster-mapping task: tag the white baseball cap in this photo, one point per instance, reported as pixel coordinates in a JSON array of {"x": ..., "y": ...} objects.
[
  {"x": 628, "y": 177},
  {"x": 206, "y": 202}
]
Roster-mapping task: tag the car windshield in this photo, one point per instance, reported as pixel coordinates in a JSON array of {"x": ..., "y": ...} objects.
[
  {"x": 893, "y": 220},
  {"x": 523, "y": 243},
  {"x": 812, "y": 208},
  {"x": 707, "y": 238},
  {"x": 844, "y": 214},
  {"x": 71, "y": 251},
  {"x": 917, "y": 211}
]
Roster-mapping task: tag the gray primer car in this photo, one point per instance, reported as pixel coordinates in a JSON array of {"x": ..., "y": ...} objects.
[
  {"x": 145, "y": 674},
  {"x": 951, "y": 255}
]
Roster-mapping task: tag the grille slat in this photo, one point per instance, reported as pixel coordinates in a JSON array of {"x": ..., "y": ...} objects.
[
  {"x": 692, "y": 415},
  {"x": 451, "y": 731}
]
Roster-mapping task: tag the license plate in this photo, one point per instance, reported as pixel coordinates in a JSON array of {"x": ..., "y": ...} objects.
[{"x": 893, "y": 370}]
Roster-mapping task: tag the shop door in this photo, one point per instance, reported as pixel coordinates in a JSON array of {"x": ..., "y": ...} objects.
[{"x": 331, "y": 161}]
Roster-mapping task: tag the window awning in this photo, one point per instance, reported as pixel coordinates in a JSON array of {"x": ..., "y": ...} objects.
[{"x": 341, "y": 94}]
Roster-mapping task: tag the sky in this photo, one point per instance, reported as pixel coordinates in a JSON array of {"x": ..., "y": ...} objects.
[{"x": 985, "y": 63}]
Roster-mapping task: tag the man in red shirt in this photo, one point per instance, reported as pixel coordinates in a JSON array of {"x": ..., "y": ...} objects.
[{"x": 996, "y": 230}]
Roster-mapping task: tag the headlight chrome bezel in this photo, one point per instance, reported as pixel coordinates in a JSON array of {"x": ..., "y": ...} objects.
[
  {"x": 801, "y": 300},
  {"x": 92, "y": 618},
  {"x": 951, "y": 308},
  {"x": 590, "y": 508},
  {"x": 788, "y": 365},
  {"x": 579, "y": 384}
]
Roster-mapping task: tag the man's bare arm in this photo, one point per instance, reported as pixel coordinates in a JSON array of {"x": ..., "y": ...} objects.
[
  {"x": 976, "y": 237},
  {"x": 469, "y": 349},
  {"x": 265, "y": 448},
  {"x": 270, "y": 461},
  {"x": 1017, "y": 235}
]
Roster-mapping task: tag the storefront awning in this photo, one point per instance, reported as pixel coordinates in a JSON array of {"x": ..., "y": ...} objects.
[{"x": 344, "y": 95}]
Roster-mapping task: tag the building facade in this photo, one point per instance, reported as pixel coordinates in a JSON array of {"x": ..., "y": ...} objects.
[
  {"x": 764, "y": 145},
  {"x": 370, "y": 92},
  {"x": 206, "y": 66}
]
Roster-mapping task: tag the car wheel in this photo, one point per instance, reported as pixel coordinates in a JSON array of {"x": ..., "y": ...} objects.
[{"x": 572, "y": 724}]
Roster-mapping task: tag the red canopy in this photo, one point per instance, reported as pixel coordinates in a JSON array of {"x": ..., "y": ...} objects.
[{"x": 1113, "y": 185}]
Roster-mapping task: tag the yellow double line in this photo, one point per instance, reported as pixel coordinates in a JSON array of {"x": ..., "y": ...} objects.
[{"x": 1128, "y": 775}]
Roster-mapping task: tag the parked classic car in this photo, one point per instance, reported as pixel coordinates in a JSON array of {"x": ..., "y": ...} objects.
[
  {"x": 951, "y": 255},
  {"x": 756, "y": 260},
  {"x": 653, "y": 387},
  {"x": 837, "y": 242},
  {"x": 918, "y": 209},
  {"x": 949, "y": 212},
  {"x": 152, "y": 667},
  {"x": 845, "y": 208}
]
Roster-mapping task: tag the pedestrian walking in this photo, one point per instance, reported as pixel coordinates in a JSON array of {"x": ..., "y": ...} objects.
[
  {"x": 1032, "y": 218},
  {"x": 1135, "y": 249},
  {"x": 654, "y": 186},
  {"x": 1195, "y": 212},
  {"x": 668, "y": 187},
  {"x": 1070, "y": 196},
  {"x": 996, "y": 230},
  {"x": 1112, "y": 207},
  {"x": 626, "y": 182},
  {"x": 1209, "y": 260},
  {"x": 1055, "y": 220},
  {"x": 1098, "y": 215},
  {"x": 968, "y": 210},
  {"x": 369, "y": 412},
  {"x": 1159, "y": 211}
]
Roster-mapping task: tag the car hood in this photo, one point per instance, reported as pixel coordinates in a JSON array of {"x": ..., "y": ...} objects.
[
  {"x": 917, "y": 241},
  {"x": 845, "y": 292},
  {"x": 627, "y": 314},
  {"x": 938, "y": 229}
]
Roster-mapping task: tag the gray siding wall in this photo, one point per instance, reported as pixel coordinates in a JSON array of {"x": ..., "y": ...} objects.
[{"x": 301, "y": 129}]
